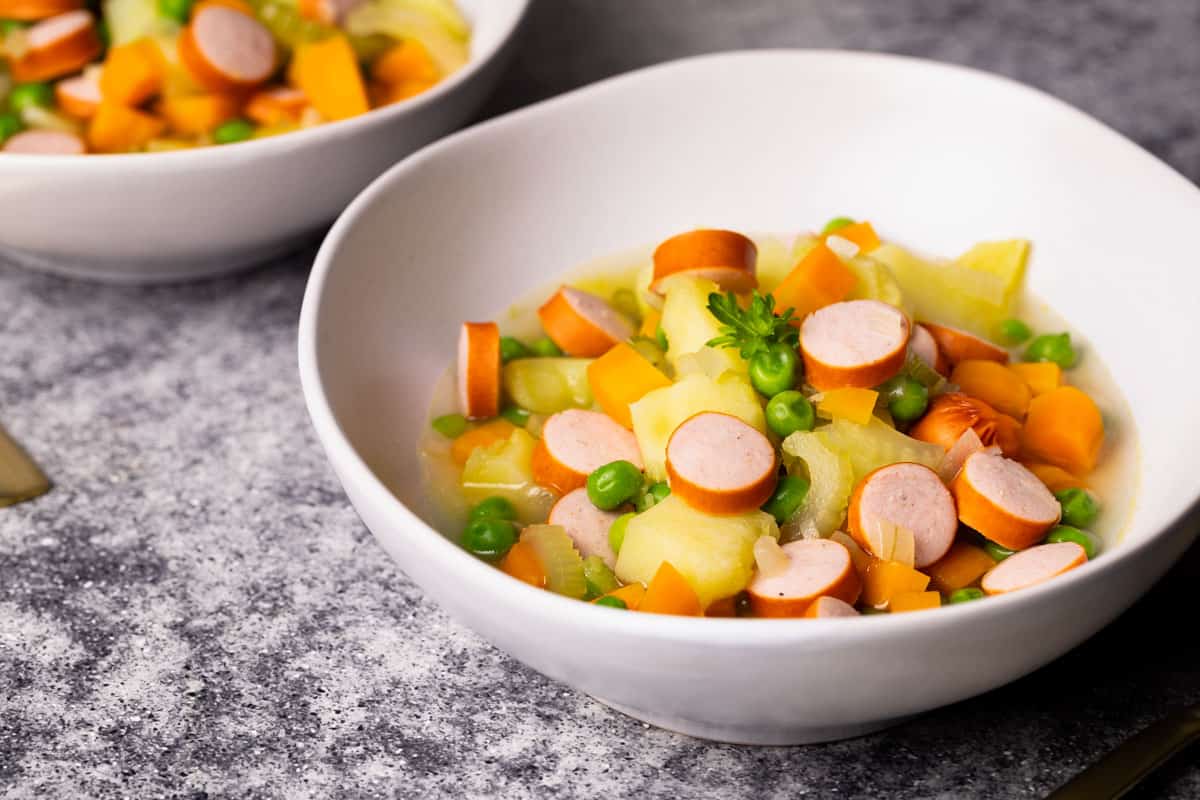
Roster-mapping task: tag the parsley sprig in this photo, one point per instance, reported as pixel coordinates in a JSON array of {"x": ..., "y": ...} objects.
[{"x": 752, "y": 330}]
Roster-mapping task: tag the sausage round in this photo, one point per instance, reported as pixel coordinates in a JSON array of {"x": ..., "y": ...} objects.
[
  {"x": 950, "y": 414},
  {"x": 574, "y": 443},
  {"x": 855, "y": 343},
  {"x": 1004, "y": 501},
  {"x": 45, "y": 143},
  {"x": 585, "y": 524},
  {"x": 226, "y": 50},
  {"x": 78, "y": 96},
  {"x": 911, "y": 496},
  {"x": 582, "y": 324},
  {"x": 57, "y": 46},
  {"x": 718, "y": 464},
  {"x": 825, "y": 607},
  {"x": 957, "y": 345},
  {"x": 925, "y": 348},
  {"x": 817, "y": 568},
  {"x": 1033, "y": 566},
  {"x": 727, "y": 258},
  {"x": 479, "y": 369}
]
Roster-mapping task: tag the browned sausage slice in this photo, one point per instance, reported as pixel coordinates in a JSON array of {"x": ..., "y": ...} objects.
[
  {"x": 226, "y": 50},
  {"x": 585, "y": 524},
  {"x": 718, "y": 464},
  {"x": 1033, "y": 566},
  {"x": 825, "y": 607},
  {"x": 911, "y": 496},
  {"x": 45, "y": 143},
  {"x": 727, "y": 258},
  {"x": 79, "y": 96},
  {"x": 582, "y": 324},
  {"x": 57, "y": 46},
  {"x": 479, "y": 369},
  {"x": 816, "y": 568},
  {"x": 1004, "y": 501},
  {"x": 855, "y": 343},
  {"x": 958, "y": 345},
  {"x": 575, "y": 442}
]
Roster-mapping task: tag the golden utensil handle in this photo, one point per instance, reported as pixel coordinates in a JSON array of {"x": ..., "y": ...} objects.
[{"x": 20, "y": 478}]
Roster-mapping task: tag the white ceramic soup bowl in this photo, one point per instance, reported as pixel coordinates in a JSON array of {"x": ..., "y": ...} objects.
[
  {"x": 937, "y": 156},
  {"x": 153, "y": 217}
]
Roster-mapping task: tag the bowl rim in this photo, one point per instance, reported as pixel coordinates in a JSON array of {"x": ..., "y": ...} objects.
[
  {"x": 516, "y": 12},
  {"x": 713, "y": 630}
]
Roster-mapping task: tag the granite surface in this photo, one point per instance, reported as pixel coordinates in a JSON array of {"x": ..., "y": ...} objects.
[{"x": 195, "y": 611}]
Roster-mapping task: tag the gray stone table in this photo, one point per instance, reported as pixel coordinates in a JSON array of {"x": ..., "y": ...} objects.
[{"x": 195, "y": 611}]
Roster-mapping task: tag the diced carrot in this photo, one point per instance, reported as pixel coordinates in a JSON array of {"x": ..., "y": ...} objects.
[
  {"x": 722, "y": 607},
  {"x": 1064, "y": 428},
  {"x": 133, "y": 73},
  {"x": 820, "y": 279},
  {"x": 962, "y": 566},
  {"x": 522, "y": 563},
  {"x": 275, "y": 106},
  {"x": 1042, "y": 376},
  {"x": 861, "y": 233},
  {"x": 620, "y": 377},
  {"x": 886, "y": 579},
  {"x": 118, "y": 129},
  {"x": 914, "y": 601},
  {"x": 631, "y": 594},
  {"x": 196, "y": 114},
  {"x": 1055, "y": 478},
  {"x": 994, "y": 384},
  {"x": 670, "y": 593},
  {"x": 405, "y": 61},
  {"x": 650, "y": 323},
  {"x": 849, "y": 403},
  {"x": 327, "y": 72},
  {"x": 489, "y": 433}
]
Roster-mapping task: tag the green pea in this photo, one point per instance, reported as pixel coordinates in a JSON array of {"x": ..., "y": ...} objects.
[
  {"x": 788, "y": 496},
  {"x": 10, "y": 124},
  {"x": 236, "y": 130},
  {"x": 1079, "y": 508},
  {"x": 1014, "y": 331},
  {"x": 178, "y": 10},
  {"x": 965, "y": 595},
  {"x": 654, "y": 495},
  {"x": 102, "y": 33},
  {"x": 774, "y": 370},
  {"x": 25, "y": 95},
  {"x": 450, "y": 425},
  {"x": 511, "y": 348},
  {"x": 8, "y": 26},
  {"x": 494, "y": 508},
  {"x": 997, "y": 552},
  {"x": 613, "y": 484},
  {"x": 625, "y": 301},
  {"x": 906, "y": 398},
  {"x": 1089, "y": 541},
  {"x": 1054, "y": 347},
  {"x": 516, "y": 415},
  {"x": 489, "y": 538},
  {"x": 611, "y": 602},
  {"x": 835, "y": 224},
  {"x": 660, "y": 336},
  {"x": 616, "y": 532},
  {"x": 788, "y": 412},
  {"x": 545, "y": 347},
  {"x": 598, "y": 576}
]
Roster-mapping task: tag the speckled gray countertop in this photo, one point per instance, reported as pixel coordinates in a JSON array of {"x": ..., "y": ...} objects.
[{"x": 195, "y": 611}]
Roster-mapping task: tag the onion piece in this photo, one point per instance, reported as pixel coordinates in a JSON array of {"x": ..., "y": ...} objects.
[
  {"x": 842, "y": 248},
  {"x": 769, "y": 557},
  {"x": 967, "y": 445}
]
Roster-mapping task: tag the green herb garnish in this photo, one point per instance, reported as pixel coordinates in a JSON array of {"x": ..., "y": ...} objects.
[{"x": 753, "y": 330}]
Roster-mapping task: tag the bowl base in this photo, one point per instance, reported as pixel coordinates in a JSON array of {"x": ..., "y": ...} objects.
[{"x": 773, "y": 735}]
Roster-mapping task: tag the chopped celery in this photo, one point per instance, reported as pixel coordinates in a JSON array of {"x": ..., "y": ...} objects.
[
  {"x": 876, "y": 444},
  {"x": 831, "y": 479},
  {"x": 433, "y": 23},
  {"x": 548, "y": 385},
  {"x": 599, "y": 577},
  {"x": 504, "y": 469},
  {"x": 560, "y": 560},
  {"x": 774, "y": 263}
]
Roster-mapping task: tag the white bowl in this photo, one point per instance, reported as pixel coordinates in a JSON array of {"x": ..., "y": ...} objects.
[
  {"x": 936, "y": 155},
  {"x": 153, "y": 217}
]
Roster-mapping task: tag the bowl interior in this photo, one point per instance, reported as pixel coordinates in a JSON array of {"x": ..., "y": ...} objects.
[{"x": 939, "y": 157}]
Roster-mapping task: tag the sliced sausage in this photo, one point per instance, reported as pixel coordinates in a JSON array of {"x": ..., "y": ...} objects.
[
  {"x": 817, "y": 568},
  {"x": 856, "y": 343},
  {"x": 33, "y": 10},
  {"x": 825, "y": 607},
  {"x": 1004, "y": 501},
  {"x": 952, "y": 413},
  {"x": 45, "y": 143},
  {"x": 57, "y": 46},
  {"x": 958, "y": 345},
  {"x": 1033, "y": 566},
  {"x": 582, "y": 324},
  {"x": 911, "y": 496},
  {"x": 727, "y": 258},
  {"x": 574, "y": 443},
  {"x": 226, "y": 50},
  {"x": 585, "y": 524},
  {"x": 78, "y": 96},
  {"x": 925, "y": 348},
  {"x": 479, "y": 369},
  {"x": 276, "y": 105},
  {"x": 720, "y": 465}
]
